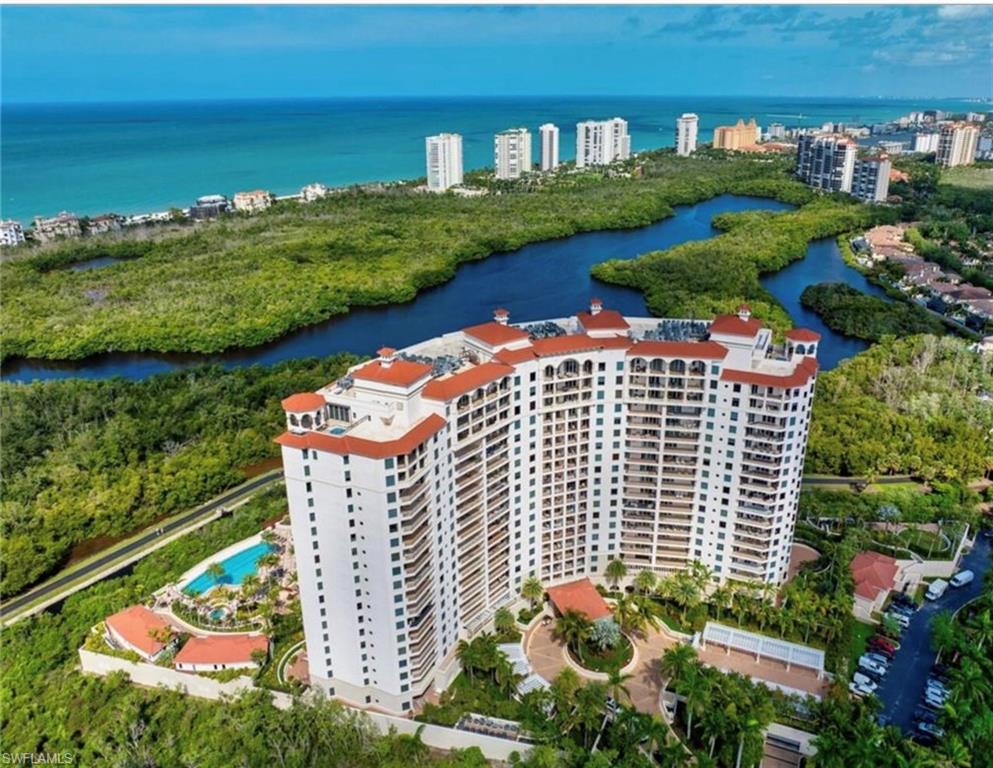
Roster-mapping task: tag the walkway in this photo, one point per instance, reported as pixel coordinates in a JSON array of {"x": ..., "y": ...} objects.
[
  {"x": 904, "y": 684},
  {"x": 128, "y": 552},
  {"x": 765, "y": 670},
  {"x": 547, "y": 656}
]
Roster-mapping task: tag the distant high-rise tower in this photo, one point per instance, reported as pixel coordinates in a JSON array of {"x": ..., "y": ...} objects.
[
  {"x": 736, "y": 136},
  {"x": 600, "y": 142},
  {"x": 549, "y": 147},
  {"x": 512, "y": 153},
  {"x": 444, "y": 161},
  {"x": 871, "y": 178},
  {"x": 686, "y": 131},
  {"x": 957, "y": 144}
]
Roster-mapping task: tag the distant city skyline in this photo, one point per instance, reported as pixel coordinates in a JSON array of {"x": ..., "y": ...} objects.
[{"x": 118, "y": 53}]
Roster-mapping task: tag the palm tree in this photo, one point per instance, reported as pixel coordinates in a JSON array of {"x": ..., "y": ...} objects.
[
  {"x": 694, "y": 685},
  {"x": 720, "y": 598},
  {"x": 216, "y": 572},
  {"x": 750, "y": 727},
  {"x": 686, "y": 594},
  {"x": 503, "y": 620},
  {"x": 532, "y": 591},
  {"x": 573, "y": 628},
  {"x": 615, "y": 571},
  {"x": 626, "y": 614},
  {"x": 675, "y": 661},
  {"x": 645, "y": 581},
  {"x": 944, "y": 634},
  {"x": 250, "y": 585},
  {"x": 982, "y": 627},
  {"x": 616, "y": 684}
]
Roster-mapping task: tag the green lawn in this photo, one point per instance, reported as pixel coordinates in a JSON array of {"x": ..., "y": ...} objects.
[
  {"x": 969, "y": 177},
  {"x": 861, "y": 632}
]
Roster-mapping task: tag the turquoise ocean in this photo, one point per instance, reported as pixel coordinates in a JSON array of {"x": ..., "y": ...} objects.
[{"x": 138, "y": 157}]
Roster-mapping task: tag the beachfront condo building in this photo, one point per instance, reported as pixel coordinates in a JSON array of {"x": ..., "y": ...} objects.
[
  {"x": 871, "y": 178},
  {"x": 444, "y": 161},
  {"x": 427, "y": 484},
  {"x": 512, "y": 153},
  {"x": 926, "y": 142},
  {"x": 957, "y": 144},
  {"x": 11, "y": 232},
  {"x": 826, "y": 161},
  {"x": 601, "y": 142},
  {"x": 737, "y": 136},
  {"x": 687, "y": 127},
  {"x": 549, "y": 146}
]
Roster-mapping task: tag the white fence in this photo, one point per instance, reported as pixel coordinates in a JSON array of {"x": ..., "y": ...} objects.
[
  {"x": 435, "y": 736},
  {"x": 764, "y": 646}
]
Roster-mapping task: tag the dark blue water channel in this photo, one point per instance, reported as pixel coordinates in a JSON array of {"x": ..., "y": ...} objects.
[{"x": 550, "y": 279}]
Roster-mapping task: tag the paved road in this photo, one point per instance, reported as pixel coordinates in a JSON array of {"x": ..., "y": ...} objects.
[
  {"x": 904, "y": 684},
  {"x": 888, "y": 480},
  {"x": 94, "y": 566}
]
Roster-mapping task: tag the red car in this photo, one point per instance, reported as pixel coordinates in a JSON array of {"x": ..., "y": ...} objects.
[{"x": 878, "y": 641}]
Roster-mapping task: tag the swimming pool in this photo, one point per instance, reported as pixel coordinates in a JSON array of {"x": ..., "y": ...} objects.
[{"x": 236, "y": 568}]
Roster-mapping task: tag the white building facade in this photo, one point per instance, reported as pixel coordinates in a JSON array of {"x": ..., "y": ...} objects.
[
  {"x": 957, "y": 144},
  {"x": 11, "y": 232},
  {"x": 826, "y": 161},
  {"x": 426, "y": 485},
  {"x": 549, "y": 146},
  {"x": 444, "y": 161},
  {"x": 512, "y": 153},
  {"x": 687, "y": 127},
  {"x": 871, "y": 178},
  {"x": 926, "y": 142},
  {"x": 601, "y": 142}
]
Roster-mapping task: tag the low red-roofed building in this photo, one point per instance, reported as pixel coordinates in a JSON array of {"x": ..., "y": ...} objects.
[
  {"x": 495, "y": 334},
  {"x": 580, "y": 596},
  {"x": 216, "y": 652},
  {"x": 303, "y": 402},
  {"x": 875, "y": 575},
  {"x": 140, "y": 630}
]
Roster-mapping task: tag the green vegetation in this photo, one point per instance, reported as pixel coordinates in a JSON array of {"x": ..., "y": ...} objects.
[
  {"x": 242, "y": 281},
  {"x": 908, "y": 405},
  {"x": 853, "y": 313},
  {"x": 704, "y": 278},
  {"x": 861, "y": 632},
  {"x": 82, "y": 459},
  {"x": 969, "y": 176}
]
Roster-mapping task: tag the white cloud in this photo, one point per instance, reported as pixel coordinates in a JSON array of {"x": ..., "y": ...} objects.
[{"x": 960, "y": 11}]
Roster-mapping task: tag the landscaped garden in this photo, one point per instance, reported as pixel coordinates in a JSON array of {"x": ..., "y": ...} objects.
[{"x": 598, "y": 646}]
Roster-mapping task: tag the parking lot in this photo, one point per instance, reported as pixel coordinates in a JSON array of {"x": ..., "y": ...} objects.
[{"x": 903, "y": 687}]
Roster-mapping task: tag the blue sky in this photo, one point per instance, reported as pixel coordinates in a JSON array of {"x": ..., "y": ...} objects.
[{"x": 64, "y": 53}]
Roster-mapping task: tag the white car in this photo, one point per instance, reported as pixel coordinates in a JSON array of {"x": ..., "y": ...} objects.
[
  {"x": 903, "y": 621},
  {"x": 860, "y": 690},
  {"x": 873, "y": 666},
  {"x": 864, "y": 681}
]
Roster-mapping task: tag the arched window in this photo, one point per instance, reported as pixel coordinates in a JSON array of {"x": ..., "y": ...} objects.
[
  {"x": 657, "y": 365},
  {"x": 568, "y": 367},
  {"x": 549, "y": 372},
  {"x": 294, "y": 420},
  {"x": 463, "y": 401},
  {"x": 491, "y": 388},
  {"x": 677, "y": 366},
  {"x": 306, "y": 421},
  {"x": 588, "y": 367},
  {"x": 800, "y": 349},
  {"x": 698, "y": 368},
  {"x": 638, "y": 365}
]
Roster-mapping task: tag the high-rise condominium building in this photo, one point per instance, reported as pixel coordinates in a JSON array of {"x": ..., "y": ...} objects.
[
  {"x": 444, "y": 161},
  {"x": 777, "y": 131},
  {"x": 512, "y": 153},
  {"x": 601, "y": 142},
  {"x": 736, "y": 136},
  {"x": 826, "y": 161},
  {"x": 871, "y": 178},
  {"x": 926, "y": 142},
  {"x": 686, "y": 132},
  {"x": 11, "y": 232},
  {"x": 549, "y": 146},
  {"x": 426, "y": 485},
  {"x": 957, "y": 144}
]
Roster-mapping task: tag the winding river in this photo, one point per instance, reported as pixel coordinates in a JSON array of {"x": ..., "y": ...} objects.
[{"x": 550, "y": 279}]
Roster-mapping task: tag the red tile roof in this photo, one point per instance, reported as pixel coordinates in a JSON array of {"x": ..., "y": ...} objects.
[
  {"x": 399, "y": 373},
  {"x": 605, "y": 319},
  {"x": 803, "y": 372},
  {"x": 136, "y": 625},
  {"x": 221, "y": 649},
  {"x": 494, "y": 333},
  {"x": 873, "y": 573},
  {"x": 514, "y": 356},
  {"x": 466, "y": 381},
  {"x": 803, "y": 334},
  {"x": 708, "y": 350},
  {"x": 579, "y": 596},
  {"x": 303, "y": 401},
  {"x": 732, "y": 325},
  {"x": 360, "y": 446}
]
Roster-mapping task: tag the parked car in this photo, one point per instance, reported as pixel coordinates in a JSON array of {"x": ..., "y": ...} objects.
[
  {"x": 936, "y": 589},
  {"x": 901, "y": 610},
  {"x": 872, "y": 665},
  {"x": 931, "y": 729},
  {"x": 861, "y": 690},
  {"x": 933, "y": 682},
  {"x": 902, "y": 598},
  {"x": 900, "y": 619},
  {"x": 878, "y": 641},
  {"x": 962, "y": 578},
  {"x": 877, "y": 657},
  {"x": 925, "y": 715},
  {"x": 934, "y": 700}
]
